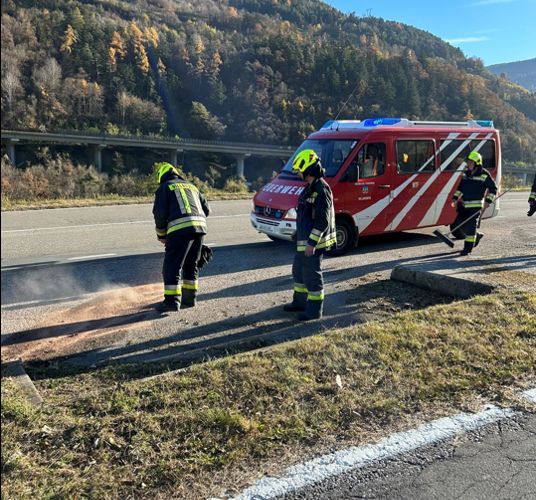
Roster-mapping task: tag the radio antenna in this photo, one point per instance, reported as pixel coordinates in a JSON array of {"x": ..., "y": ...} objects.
[{"x": 346, "y": 102}]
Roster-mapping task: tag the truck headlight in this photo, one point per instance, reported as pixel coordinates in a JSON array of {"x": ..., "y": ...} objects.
[{"x": 291, "y": 214}]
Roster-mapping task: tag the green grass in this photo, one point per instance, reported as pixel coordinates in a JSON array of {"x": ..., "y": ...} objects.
[{"x": 198, "y": 431}]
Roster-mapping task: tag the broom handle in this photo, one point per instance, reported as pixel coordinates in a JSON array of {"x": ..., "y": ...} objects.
[{"x": 477, "y": 213}]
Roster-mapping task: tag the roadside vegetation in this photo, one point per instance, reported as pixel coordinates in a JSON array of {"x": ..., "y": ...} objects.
[
  {"x": 58, "y": 182},
  {"x": 215, "y": 427}
]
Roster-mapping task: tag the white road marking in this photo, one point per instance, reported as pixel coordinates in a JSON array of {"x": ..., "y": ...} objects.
[
  {"x": 92, "y": 256},
  {"x": 340, "y": 462},
  {"x": 51, "y": 228}
]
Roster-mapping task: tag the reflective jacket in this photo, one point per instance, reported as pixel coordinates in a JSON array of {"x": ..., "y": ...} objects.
[
  {"x": 472, "y": 188},
  {"x": 316, "y": 217},
  {"x": 179, "y": 208}
]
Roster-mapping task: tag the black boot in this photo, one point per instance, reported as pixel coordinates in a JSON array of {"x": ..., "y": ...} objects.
[
  {"x": 313, "y": 310},
  {"x": 164, "y": 307},
  {"x": 292, "y": 307},
  {"x": 479, "y": 236},
  {"x": 188, "y": 298}
]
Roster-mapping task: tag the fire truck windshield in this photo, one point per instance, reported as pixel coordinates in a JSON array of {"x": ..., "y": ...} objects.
[{"x": 332, "y": 153}]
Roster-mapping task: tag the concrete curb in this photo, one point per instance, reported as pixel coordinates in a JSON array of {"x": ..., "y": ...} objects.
[
  {"x": 464, "y": 278},
  {"x": 15, "y": 370},
  {"x": 443, "y": 283}
]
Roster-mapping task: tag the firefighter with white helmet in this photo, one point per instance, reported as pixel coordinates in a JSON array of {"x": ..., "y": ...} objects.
[
  {"x": 316, "y": 234},
  {"x": 476, "y": 191},
  {"x": 180, "y": 212}
]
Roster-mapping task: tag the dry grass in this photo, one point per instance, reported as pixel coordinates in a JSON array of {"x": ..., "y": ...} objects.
[
  {"x": 194, "y": 433},
  {"x": 11, "y": 205}
]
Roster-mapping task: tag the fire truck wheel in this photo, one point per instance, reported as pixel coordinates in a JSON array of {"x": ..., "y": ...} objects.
[
  {"x": 459, "y": 234},
  {"x": 345, "y": 237}
]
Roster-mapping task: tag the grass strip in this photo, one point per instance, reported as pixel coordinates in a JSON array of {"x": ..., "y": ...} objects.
[{"x": 193, "y": 433}]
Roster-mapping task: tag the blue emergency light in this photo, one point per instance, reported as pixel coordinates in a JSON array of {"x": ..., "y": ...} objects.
[
  {"x": 485, "y": 123},
  {"x": 374, "y": 122}
]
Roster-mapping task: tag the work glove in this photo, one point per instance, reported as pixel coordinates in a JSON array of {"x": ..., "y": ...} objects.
[{"x": 206, "y": 256}]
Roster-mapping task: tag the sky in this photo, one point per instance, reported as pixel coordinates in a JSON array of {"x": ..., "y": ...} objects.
[{"x": 496, "y": 31}]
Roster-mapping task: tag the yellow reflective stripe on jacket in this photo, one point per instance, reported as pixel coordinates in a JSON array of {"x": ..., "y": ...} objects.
[
  {"x": 184, "y": 196},
  {"x": 316, "y": 295},
  {"x": 532, "y": 196},
  {"x": 457, "y": 194},
  {"x": 160, "y": 232},
  {"x": 192, "y": 223},
  {"x": 473, "y": 204},
  {"x": 184, "y": 222}
]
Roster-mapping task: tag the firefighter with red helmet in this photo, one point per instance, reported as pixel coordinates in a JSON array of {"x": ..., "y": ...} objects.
[
  {"x": 475, "y": 192},
  {"x": 532, "y": 198},
  {"x": 180, "y": 212},
  {"x": 316, "y": 234}
]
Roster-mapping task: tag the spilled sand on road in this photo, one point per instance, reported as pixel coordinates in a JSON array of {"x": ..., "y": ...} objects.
[{"x": 111, "y": 312}]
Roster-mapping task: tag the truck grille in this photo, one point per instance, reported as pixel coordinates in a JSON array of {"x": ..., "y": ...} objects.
[{"x": 276, "y": 213}]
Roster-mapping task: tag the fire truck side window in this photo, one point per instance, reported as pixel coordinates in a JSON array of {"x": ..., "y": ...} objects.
[
  {"x": 454, "y": 154},
  {"x": 369, "y": 161},
  {"x": 487, "y": 150},
  {"x": 415, "y": 155}
]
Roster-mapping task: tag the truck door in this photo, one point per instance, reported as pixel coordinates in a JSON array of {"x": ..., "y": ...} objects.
[
  {"x": 410, "y": 193},
  {"x": 363, "y": 186}
]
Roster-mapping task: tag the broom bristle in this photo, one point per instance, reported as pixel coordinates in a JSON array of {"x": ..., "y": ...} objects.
[{"x": 444, "y": 239}]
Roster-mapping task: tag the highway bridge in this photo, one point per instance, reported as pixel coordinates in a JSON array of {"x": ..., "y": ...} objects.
[
  {"x": 98, "y": 142},
  {"x": 240, "y": 150}
]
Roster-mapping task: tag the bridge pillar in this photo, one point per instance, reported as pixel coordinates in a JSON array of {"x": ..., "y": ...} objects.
[
  {"x": 240, "y": 166},
  {"x": 97, "y": 156},
  {"x": 10, "y": 148},
  {"x": 173, "y": 156}
]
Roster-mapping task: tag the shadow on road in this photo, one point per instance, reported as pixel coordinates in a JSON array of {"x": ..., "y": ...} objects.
[{"x": 49, "y": 283}]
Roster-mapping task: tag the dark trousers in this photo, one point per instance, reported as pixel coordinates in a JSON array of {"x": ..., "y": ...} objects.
[
  {"x": 470, "y": 227},
  {"x": 308, "y": 282},
  {"x": 180, "y": 264}
]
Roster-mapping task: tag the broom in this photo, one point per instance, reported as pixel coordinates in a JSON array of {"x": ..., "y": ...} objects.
[{"x": 445, "y": 237}]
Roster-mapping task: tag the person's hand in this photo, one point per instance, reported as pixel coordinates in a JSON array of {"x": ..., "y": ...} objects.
[
  {"x": 453, "y": 204},
  {"x": 309, "y": 251},
  {"x": 486, "y": 205},
  {"x": 162, "y": 240}
]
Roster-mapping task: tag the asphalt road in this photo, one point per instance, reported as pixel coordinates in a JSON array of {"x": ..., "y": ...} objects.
[
  {"x": 495, "y": 462},
  {"x": 82, "y": 283}
]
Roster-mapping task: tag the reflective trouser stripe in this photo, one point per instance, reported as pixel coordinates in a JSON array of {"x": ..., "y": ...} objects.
[
  {"x": 300, "y": 288},
  {"x": 470, "y": 239},
  {"x": 316, "y": 295},
  {"x": 172, "y": 290},
  {"x": 190, "y": 285}
]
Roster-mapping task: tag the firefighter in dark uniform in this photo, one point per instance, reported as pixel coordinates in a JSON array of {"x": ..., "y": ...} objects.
[
  {"x": 471, "y": 194},
  {"x": 532, "y": 198},
  {"x": 316, "y": 234},
  {"x": 180, "y": 212}
]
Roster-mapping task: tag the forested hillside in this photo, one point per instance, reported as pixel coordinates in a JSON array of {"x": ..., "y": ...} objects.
[{"x": 241, "y": 70}]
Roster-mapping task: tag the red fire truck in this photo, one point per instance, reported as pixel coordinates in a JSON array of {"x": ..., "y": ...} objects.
[{"x": 386, "y": 174}]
